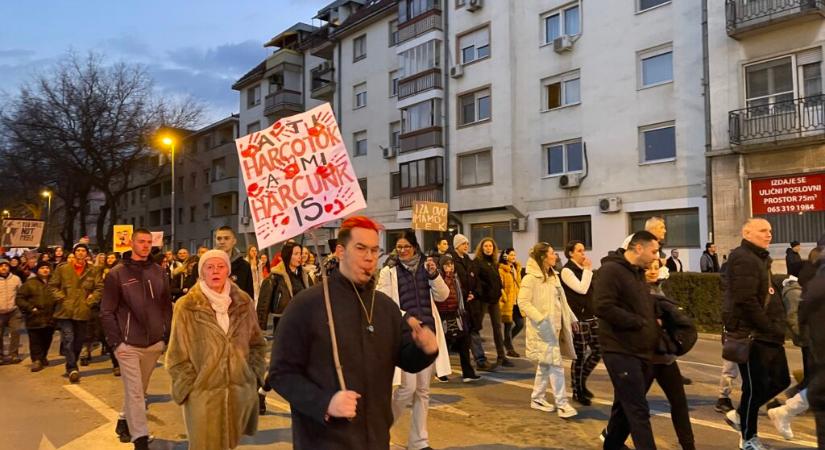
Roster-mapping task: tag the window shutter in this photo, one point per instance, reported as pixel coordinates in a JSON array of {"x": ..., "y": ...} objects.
[{"x": 809, "y": 56}]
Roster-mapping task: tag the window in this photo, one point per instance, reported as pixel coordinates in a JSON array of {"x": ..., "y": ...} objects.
[
  {"x": 143, "y": 222},
  {"x": 206, "y": 179},
  {"x": 409, "y": 9},
  {"x": 475, "y": 169},
  {"x": 499, "y": 231},
  {"x": 362, "y": 184},
  {"x": 658, "y": 142},
  {"x": 474, "y": 45},
  {"x": 180, "y": 216},
  {"x": 218, "y": 169},
  {"x": 393, "y": 32},
  {"x": 422, "y": 115},
  {"x": 167, "y": 216},
  {"x": 422, "y": 173},
  {"x": 206, "y": 212},
  {"x": 559, "y": 231},
  {"x": 564, "y": 157},
  {"x": 193, "y": 177},
  {"x": 394, "y": 83},
  {"x": 769, "y": 83},
  {"x": 419, "y": 58},
  {"x": 656, "y": 66},
  {"x": 253, "y": 96},
  {"x": 359, "y": 48},
  {"x": 360, "y": 143},
  {"x": 395, "y": 135},
  {"x": 191, "y": 214},
  {"x": 682, "y": 226},
  {"x": 154, "y": 218},
  {"x": 359, "y": 95},
  {"x": 166, "y": 187},
  {"x": 179, "y": 185},
  {"x": 155, "y": 190},
  {"x": 644, "y": 5},
  {"x": 133, "y": 195},
  {"x": 811, "y": 79},
  {"x": 474, "y": 107},
  {"x": 395, "y": 184},
  {"x": 562, "y": 90},
  {"x": 562, "y": 22},
  {"x": 253, "y": 127},
  {"x": 225, "y": 204},
  {"x": 805, "y": 227}
]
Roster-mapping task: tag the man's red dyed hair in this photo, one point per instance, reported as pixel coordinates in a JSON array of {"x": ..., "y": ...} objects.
[{"x": 345, "y": 232}]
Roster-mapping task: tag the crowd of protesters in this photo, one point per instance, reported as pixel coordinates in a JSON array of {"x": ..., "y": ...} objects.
[{"x": 426, "y": 303}]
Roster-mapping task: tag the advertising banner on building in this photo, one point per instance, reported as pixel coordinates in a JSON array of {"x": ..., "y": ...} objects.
[
  {"x": 788, "y": 195},
  {"x": 431, "y": 216},
  {"x": 122, "y": 238},
  {"x": 297, "y": 175},
  {"x": 22, "y": 233}
]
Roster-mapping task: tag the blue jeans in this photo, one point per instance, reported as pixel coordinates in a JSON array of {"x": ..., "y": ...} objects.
[{"x": 72, "y": 336}]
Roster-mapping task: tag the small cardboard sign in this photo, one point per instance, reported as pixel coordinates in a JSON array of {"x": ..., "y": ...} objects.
[
  {"x": 122, "y": 238},
  {"x": 431, "y": 216},
  {"x": 22, "y": 233},
  {"x": 157, "y": 239}
]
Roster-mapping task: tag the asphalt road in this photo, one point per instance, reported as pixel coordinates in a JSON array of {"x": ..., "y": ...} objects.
[{"x": 43, "y": 411}]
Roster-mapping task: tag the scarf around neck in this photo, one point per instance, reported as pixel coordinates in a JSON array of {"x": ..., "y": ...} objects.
[
  {"x": 411, "y": 264},
  {"x": 220, "y": 302}
]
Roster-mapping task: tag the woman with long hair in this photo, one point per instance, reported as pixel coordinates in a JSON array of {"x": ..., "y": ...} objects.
[
  {"x": 488, "y": 293},
  {"x": 257, "y": 270},
  {"x": 550, "y": 324},
  {"x": 263, "y": 261},
  {"x": 510, "y": 272}
]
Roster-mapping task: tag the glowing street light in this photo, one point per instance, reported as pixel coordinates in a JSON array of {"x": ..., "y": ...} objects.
[
  {"x": 48, "y": 194},
  {"x": 169, "y": 141}
]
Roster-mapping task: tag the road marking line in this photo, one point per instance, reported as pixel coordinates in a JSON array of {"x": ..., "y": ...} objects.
[
  {"x": 46, "y": 444},
  {"x": 653, "y": 412},
  {"x": 443, "y": 407},
  {"x": 93, "y": 402},
  {"x": 277, "y": 404}
]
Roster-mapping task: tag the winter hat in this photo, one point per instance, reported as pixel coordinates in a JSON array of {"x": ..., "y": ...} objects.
[
  {"x": 5, "y": 261},
  {"x": 214, "y": 254},
  {"x": 77, "y": 246},
  {"x": 41, "y": 264},
  {"x": 794, "y": 243},
  {"x": 459, "y": 239}
]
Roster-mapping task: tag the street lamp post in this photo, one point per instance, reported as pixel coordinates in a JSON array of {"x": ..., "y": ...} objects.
[
  {"x": 48, "y": 195},
  {"x": 171, "y": 143}
]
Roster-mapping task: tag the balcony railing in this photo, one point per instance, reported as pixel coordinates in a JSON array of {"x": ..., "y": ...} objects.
[
  {"x": 423, "y": 138},
  {"x": 425, "y": 194},
  {"x": 746, "y": 15},
  {"x": 420, "y": 82},
  {"x": 430, "y": 20},
  {"x": 284, "y": 100},
  {"x": 801, "y": 118},
  {"x": 323, "y": 84}
]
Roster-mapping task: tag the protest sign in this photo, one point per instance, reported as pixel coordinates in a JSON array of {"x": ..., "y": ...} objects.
[
  {"x": 297, "y": 175},
  {"x": 22, "y": 233},
  {"x": 430, "y": 216},
  {"x": 157, "y": 239},
  {"x": 122, "y": 237}
]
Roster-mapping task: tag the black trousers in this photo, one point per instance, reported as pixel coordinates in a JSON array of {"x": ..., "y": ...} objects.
[
  {"x": 764, "y": 376},
  {"x": 461, "y": 344},
  {"x": 477, "y": 310},
  {"x": 820, "y": 428},
  {"x": 630, "y": 414},
  {"x": 512, "y": 329},
  {"x": 40, "y": 339}
]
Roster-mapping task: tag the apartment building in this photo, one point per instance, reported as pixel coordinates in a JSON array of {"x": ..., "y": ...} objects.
[
  {"x": 206, "y": 188},
  {"x": 768, "y": 139}
]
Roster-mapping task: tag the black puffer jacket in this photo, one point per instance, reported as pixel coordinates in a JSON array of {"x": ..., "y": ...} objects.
[
  {"x": 679, "y": 333},
  {"x": 752, "y": 303},
  {"x": 811, "y": 312},
  {"x": 465, "y": 272},
  {"x": 488, "y": 281},
  {"x": 626, "y": 311}
]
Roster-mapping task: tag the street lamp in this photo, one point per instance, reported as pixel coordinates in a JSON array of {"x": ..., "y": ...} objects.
[
  {"x": 48, "y": 194},
  {"x": 6, "y": 213},
  {"x": 169, "y": 141}
]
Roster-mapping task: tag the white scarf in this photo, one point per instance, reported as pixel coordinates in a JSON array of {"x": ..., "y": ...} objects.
[{"x": 220, "y": 302}]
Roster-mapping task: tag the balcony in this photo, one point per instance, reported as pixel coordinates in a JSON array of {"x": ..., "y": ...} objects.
[
  {"x": 224, "y": 185},
  {"x": 746, "y": 16},
  {"x": 423, "y": 138},
  {"x": 323, "y": 82},
  {"x": 418, "y": 25},
  {"x": 283, "y": 103},
  {"x": 422, "y": 194},
  {"x": 420, "y": 82},
  {"x": 793, "y": 121}
]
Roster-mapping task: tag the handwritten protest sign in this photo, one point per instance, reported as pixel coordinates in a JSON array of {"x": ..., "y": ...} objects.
[
  {"x": 157, "y": 239},
  {"x": 430, "y": 216},
  {"x": 297, "y": 175},
  {"x": 22, "y": 233},
  {"x": 122, "y": 237}
]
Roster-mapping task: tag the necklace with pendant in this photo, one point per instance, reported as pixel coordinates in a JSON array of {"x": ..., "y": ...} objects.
[{"x": 370, "y": 327}]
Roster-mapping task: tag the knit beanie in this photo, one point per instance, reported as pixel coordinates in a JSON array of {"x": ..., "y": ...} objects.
[
  {"x": 214, "y": 254},
  {"x": 459, "y": 239},
  {"x": 41, "y": 264}
]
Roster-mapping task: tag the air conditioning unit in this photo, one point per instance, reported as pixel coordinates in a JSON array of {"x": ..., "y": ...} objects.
[
  {"x": 562, "y": 44},
  {"x": 610, "y": 205},
  {"x": 570, "y": 181},
  {"x": 389, "y": 152},
  {"x": 456, "y": 71},
  {"x": 519, "y": 224},
  {"x": 474, "y": 5},
  {"x": 244, "y": 220}
]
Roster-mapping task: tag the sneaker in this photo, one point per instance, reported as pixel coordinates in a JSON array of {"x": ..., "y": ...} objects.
[
  {"x": 732, "y": 419},
  {"x": 261, "y": 404},
  {"x": 774, "y": 403},
  {"x": 603, "y": 437},
  {"x": 582, "y": 399},
  {"x": 542, "y": 405},
  {"x": 142, "y": 443},
  {"x": 504, "y": 362},
  {"x": 116, "y": 371},
  {"x": 74, "y": 376},
  {"x": 781, "y": 421},
  {"x": 443, "y": 379},
  {"x": 484, "y": 365},
  {"x": 471, "y": 379},
  {"x": 566, "y": 411},
  {"x": 37, "y": 366},
  {"x": 122, "y": 431},
  {"x": 754, "y": 444},
  {"x": 513, "y": 354},
  {"x": 723, "y": 405}
]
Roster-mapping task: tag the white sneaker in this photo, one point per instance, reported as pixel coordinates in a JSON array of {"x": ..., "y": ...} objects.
[
  {"x": 566, "y": 411},
  {"x": 542, "y": 405},
  {"x": 781, "y": 421},
  {"x": 753, "y": 444},
  {"x": 732, "y": 419}
]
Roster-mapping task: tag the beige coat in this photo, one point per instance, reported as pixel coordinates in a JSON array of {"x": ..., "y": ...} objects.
[
  {"x": 215, "y": 375},
  {"x": 537, "y": 302}
]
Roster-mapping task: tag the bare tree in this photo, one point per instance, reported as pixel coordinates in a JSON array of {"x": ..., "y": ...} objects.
[{"x": 84, "y": 126}]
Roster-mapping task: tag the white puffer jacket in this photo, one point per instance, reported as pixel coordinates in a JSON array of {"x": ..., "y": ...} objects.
[{"x": 8, "y": 292}]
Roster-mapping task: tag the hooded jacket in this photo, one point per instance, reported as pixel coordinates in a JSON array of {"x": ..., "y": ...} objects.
[
  {"x": 625, "y": 309},
  {"x": 76, "y": 294},
  {"x": 277, "y": 291},
  {"x": 137, "y": 305}
]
